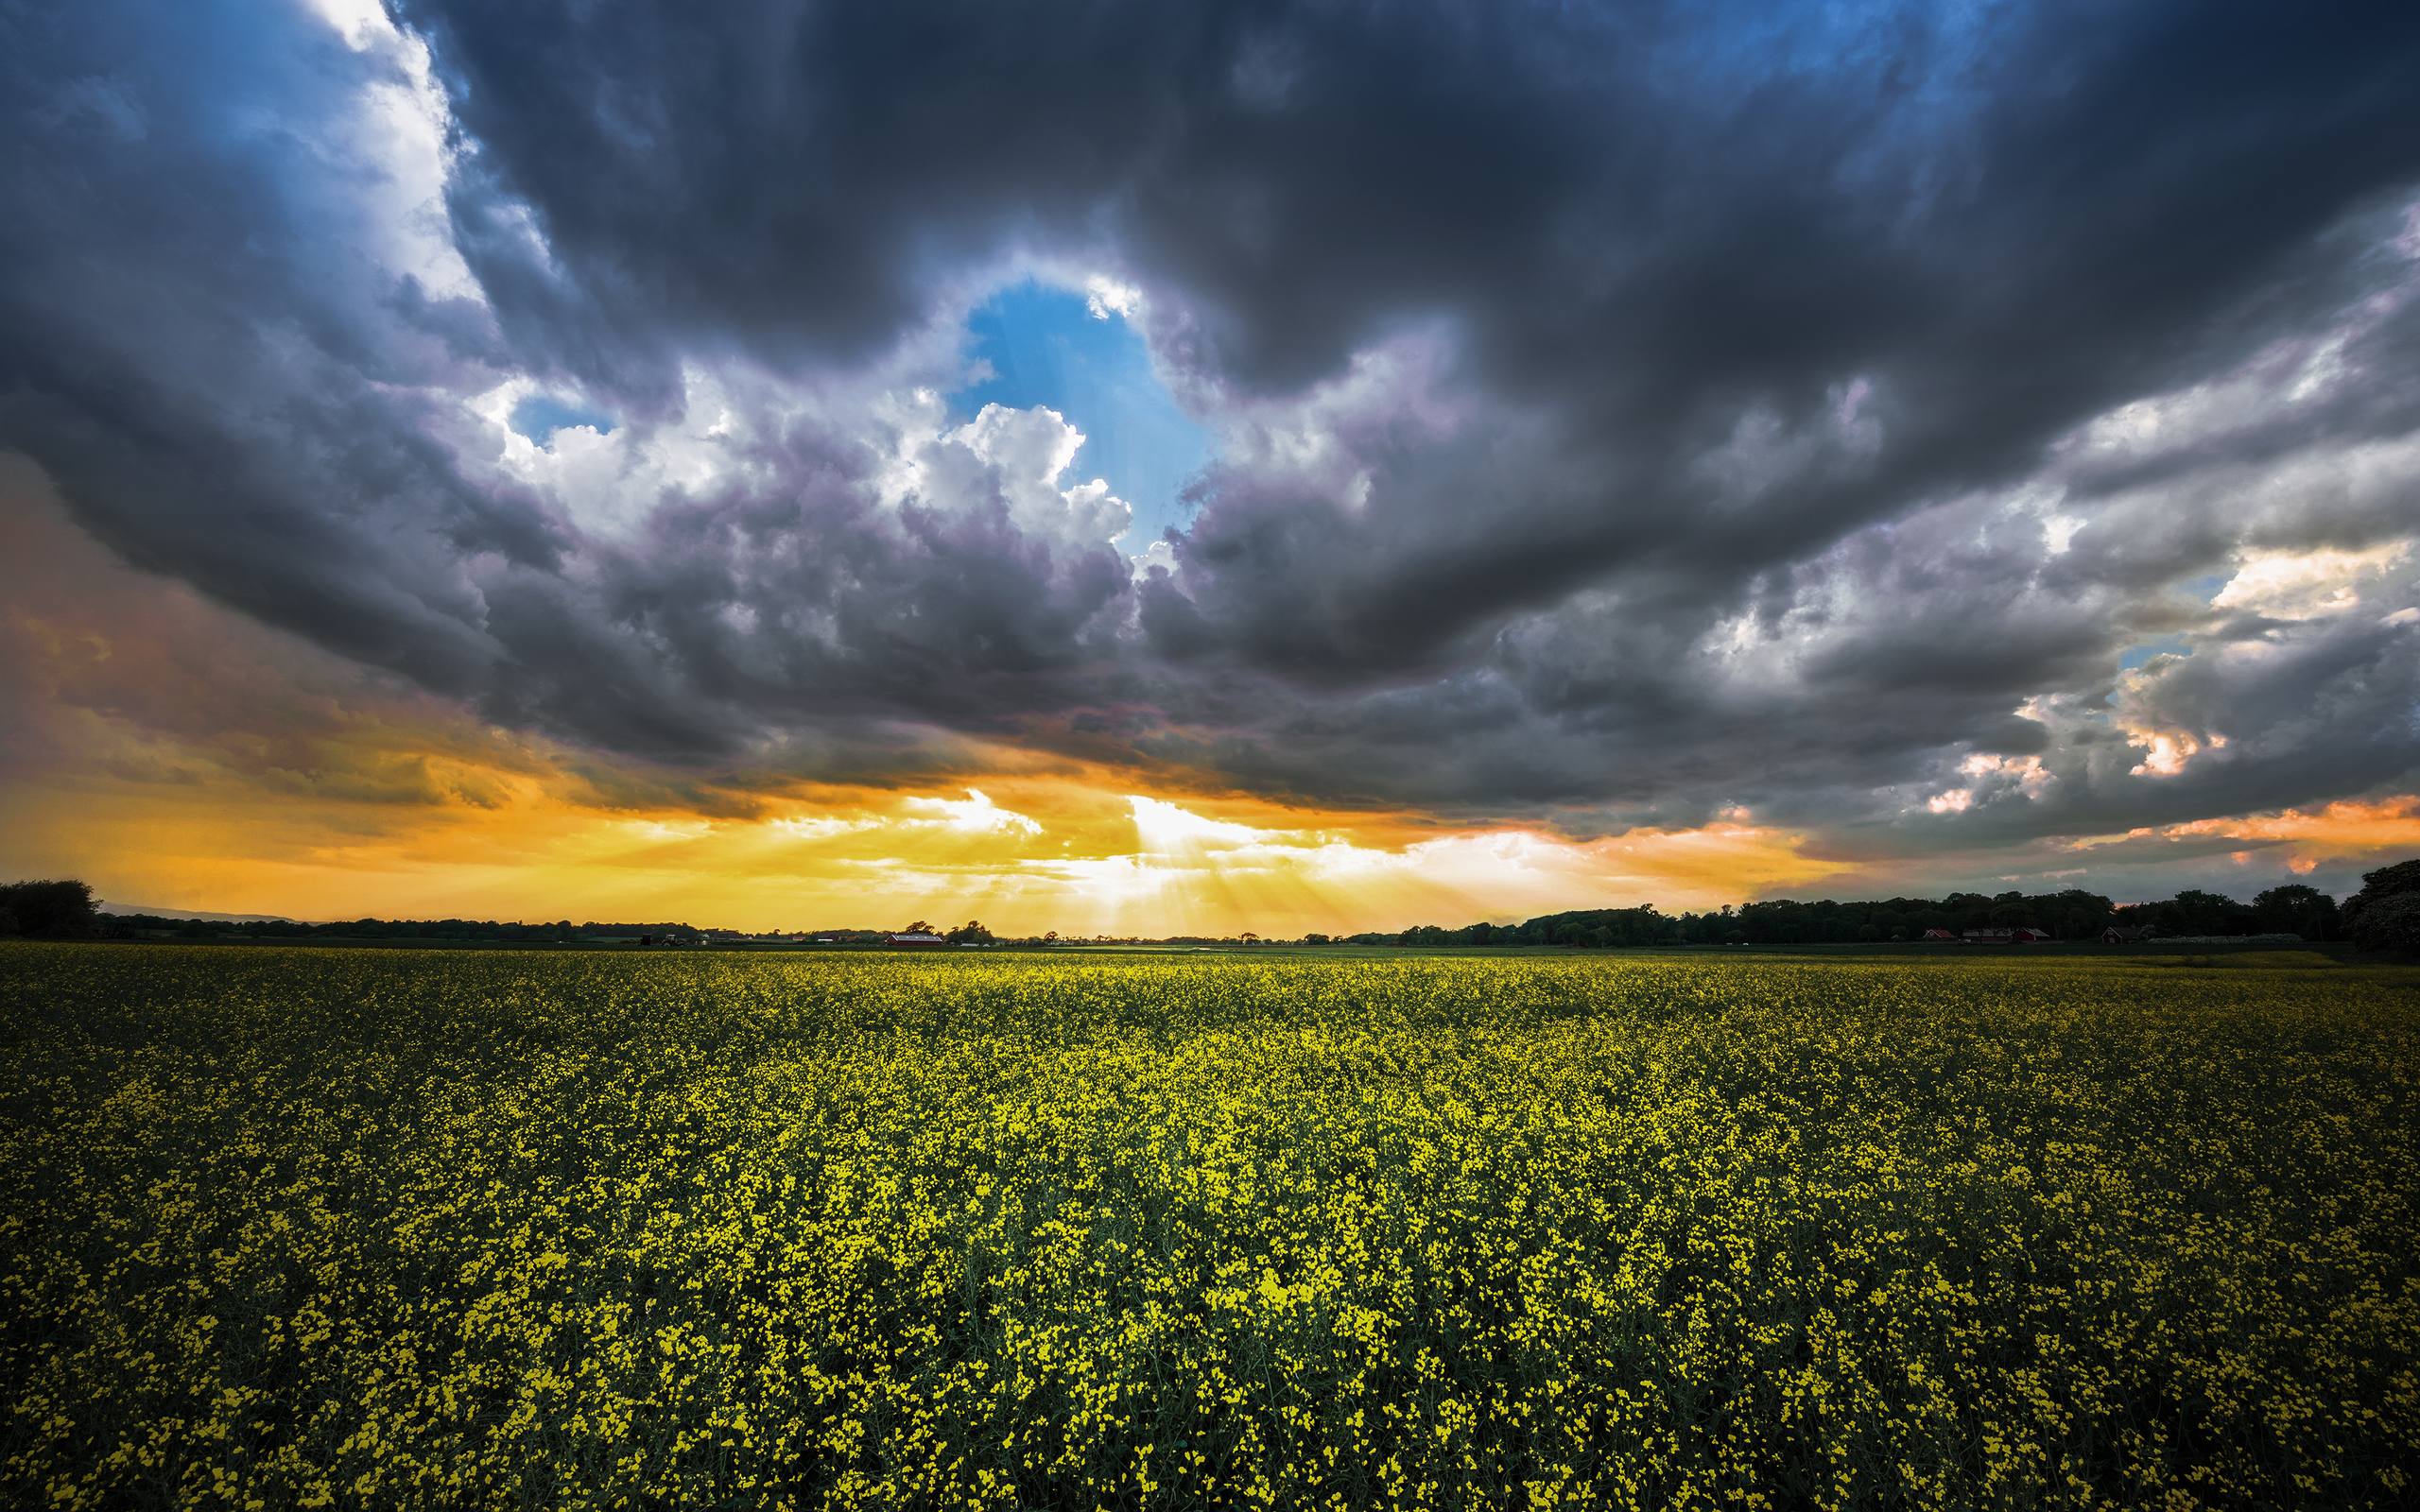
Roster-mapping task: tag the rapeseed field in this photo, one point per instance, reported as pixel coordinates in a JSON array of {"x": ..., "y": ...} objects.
[{"x": 329, "y": 1229}]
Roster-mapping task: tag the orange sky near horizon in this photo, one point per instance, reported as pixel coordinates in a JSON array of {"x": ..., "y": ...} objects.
[
  {"x": 177, "y": 755},
  {"x": 1022, "y": 857}
]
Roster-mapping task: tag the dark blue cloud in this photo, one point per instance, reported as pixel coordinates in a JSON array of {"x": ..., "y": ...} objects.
[{"x": 1620, "y": 412}]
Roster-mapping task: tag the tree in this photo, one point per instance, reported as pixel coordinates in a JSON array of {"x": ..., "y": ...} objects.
[
  {"x": 48, "y": 910},
  {"x": 2385, "y": 914},
  {"x": 2390, "y": 924},
  {"x": 970, "y": 932},
  {"x": 919, "y": 927},
  {"x": 2296, "y": 908},
  {"x": 2203, "y": 913},
  {"x": 2072, "y": 912}
]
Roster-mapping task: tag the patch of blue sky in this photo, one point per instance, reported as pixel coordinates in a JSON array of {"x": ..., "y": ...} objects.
[
  {"x": 2135, "y": 656},
  {"x": 1046, "y": 346},
  {"x": 2205, "y": 588},
  {"x": 539, "y": 416}
]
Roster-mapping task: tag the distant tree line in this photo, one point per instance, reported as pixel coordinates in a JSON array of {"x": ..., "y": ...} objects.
[
  {"x": 2383, "y": 915},
  {"x": 2071, "y": 914},
  {"x": 468, "y": 930}
]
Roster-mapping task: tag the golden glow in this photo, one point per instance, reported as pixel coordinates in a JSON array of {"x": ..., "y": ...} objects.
[
  {"x": 2301, "y": 585},
  {"x": 1035, "y": 855},
  {"x": 2168, "y": 750},
  {"x": 177, "y": 756},
  {"x": 2348, "y": 831}
]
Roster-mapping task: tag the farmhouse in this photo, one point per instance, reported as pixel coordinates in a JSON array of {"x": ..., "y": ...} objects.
[
  {"x": 2119, "y": 934},
  {"x": 918, "y": 939},
  {"x": 1988, "y": 937}
]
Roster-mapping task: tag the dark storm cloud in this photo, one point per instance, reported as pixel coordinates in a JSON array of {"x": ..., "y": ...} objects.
[
  {"x": 1639, "y": 222},
  {"x": 1626, "y": 412},
  {"x": 185, "y": 349},
  {"x": 196, "y": 343}
]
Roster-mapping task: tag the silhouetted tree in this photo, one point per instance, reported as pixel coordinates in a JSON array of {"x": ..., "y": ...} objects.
[
  {"x": 2296, "y": 908},
  {"x": 2390, "y": 923},
  {"x": 48, "y": 910},
  {"x": 2385, "y": 914}
]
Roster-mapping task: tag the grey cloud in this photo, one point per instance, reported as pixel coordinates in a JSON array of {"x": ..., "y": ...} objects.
[
  {"x": 1638, "y": 223},
  {"x": 1627, "y": 414}
]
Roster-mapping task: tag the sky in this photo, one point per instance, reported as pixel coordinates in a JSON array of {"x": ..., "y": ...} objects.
[{"x": 1189, "y": 469}]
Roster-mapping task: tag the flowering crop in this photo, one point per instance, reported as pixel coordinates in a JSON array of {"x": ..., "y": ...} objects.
[{"x": 291, "y": 1228}]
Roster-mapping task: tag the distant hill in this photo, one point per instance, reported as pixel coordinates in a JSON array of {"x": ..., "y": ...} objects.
[{"x": 193, "y": 913}]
